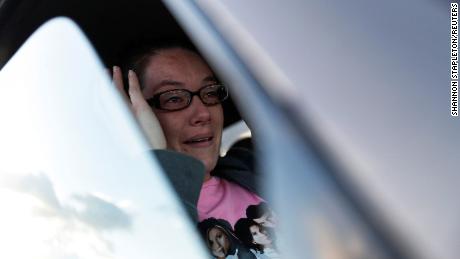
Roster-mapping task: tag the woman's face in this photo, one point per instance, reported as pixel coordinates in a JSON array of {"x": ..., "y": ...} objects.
[
  {"x": 218, "y": 242},
  {"x": 197, "y": 129},
  {"x": 260, "y": 236}
]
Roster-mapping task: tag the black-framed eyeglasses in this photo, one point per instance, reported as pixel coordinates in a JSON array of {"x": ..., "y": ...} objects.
[{"x": 178, "y": 99}]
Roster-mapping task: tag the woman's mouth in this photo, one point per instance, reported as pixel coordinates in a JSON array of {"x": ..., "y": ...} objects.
[{"x": 199, "y": 141}]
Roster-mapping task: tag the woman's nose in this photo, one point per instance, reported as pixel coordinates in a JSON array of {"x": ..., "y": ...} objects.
[{"x": 201, "y": 113}]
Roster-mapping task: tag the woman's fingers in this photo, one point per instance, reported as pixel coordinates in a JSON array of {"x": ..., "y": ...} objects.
[
  {"x": 117, "y": 79},
  {"x": 134, "y": 91},
  {"x": 142, "y": 111},
  {"x": 144, "y": 114}
]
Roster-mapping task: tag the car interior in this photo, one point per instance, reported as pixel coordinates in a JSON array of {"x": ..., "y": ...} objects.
[{"x": 318, "y": 197}]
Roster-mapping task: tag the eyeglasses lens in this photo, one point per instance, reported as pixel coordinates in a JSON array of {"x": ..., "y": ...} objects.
[
  {"x": 174, "y": 100},
  {"x": 180, "y": 98},
  {"x": 212, "y": 94}
]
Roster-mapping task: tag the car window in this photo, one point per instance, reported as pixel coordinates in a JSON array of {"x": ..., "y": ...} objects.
[{"x": 76, "y": 180}]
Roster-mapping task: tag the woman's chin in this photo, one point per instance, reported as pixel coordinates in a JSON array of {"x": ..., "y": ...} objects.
[{"x": 208, "y": 162}]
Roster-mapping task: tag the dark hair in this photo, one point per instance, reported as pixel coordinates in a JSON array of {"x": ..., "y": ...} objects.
[
  {"x": 243, "y": 232},
  {"x": 257, "y": 211},
  {"x": 138, "y": 54}
]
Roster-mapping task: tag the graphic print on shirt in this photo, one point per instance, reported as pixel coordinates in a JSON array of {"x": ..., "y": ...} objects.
[{"x": 252, "y": 237}]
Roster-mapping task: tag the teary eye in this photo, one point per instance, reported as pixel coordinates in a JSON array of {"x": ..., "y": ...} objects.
[
  {"x": 211, "y": 93},
  {"x": 174, "y": 99}
]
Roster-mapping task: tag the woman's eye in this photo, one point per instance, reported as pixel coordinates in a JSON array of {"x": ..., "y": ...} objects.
[
  {"x": 211, "y": 94},
  {"x": 174, "y": 99}
]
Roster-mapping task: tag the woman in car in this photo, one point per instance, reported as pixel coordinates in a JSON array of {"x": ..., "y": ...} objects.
[{"x": 163, "y": 99}]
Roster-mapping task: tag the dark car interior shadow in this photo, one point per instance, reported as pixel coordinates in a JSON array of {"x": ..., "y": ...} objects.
[{"x": 111, "y": 26}]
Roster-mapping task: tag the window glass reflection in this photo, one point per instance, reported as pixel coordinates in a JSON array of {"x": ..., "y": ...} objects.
[{"x": 75, "y": 178}]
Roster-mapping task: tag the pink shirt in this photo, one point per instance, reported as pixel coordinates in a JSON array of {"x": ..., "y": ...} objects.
[{"x": 222, "y": 199}]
